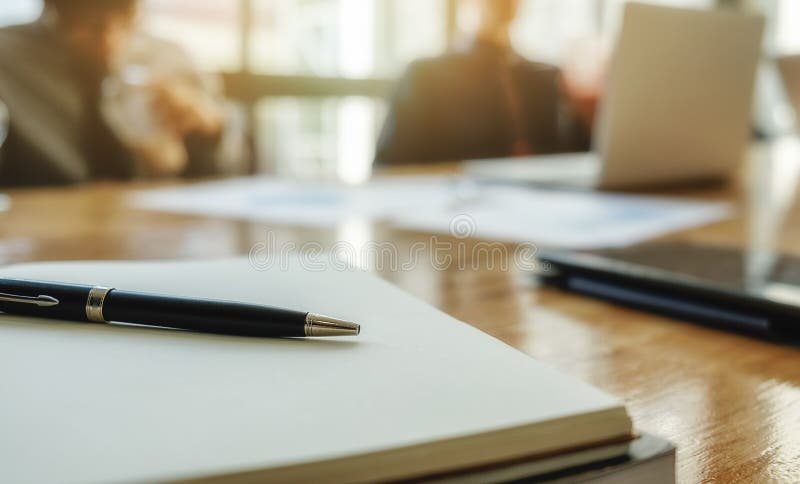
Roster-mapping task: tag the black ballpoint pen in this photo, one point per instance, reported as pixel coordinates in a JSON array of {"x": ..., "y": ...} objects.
[{"x": 95, "y": 304}]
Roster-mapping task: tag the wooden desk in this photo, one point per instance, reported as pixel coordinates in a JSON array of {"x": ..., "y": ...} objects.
[{"x": 730, "y": 403}]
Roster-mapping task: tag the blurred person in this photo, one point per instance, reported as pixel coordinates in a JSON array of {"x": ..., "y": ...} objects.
[
  {"x": 91, "y": 98},
  {"x": 484, "y": 101}
]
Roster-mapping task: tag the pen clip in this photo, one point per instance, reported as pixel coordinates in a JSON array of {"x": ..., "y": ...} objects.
[{"x": 41, "y": 301}]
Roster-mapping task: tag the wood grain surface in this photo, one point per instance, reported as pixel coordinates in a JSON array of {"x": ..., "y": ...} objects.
[{"x": 729, "y": 402}]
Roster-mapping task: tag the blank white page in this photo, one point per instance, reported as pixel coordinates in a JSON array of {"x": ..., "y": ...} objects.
[{"x": 97, "y": 403}]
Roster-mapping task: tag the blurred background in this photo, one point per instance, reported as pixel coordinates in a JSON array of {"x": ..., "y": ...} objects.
[{"x": 312, "y": 77}]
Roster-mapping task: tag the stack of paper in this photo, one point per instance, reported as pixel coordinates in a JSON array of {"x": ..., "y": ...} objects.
[{"x": 418, "y": 393}]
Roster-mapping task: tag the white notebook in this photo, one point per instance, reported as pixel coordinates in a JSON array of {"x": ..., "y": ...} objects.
[{"x": 417, "y": 393}]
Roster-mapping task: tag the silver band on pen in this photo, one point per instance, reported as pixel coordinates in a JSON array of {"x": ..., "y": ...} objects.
[{"x": 94, "y": 303}]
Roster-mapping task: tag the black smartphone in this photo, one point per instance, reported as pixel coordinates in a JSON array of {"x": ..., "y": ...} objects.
[{"x": 750, "y": 291}]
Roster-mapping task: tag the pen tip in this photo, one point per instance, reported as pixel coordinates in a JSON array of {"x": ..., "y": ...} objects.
[{"x": 318, "y": 325}]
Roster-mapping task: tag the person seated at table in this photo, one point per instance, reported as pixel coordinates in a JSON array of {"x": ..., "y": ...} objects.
[
  {"x": 482, "y": 101},
  {"x": 90, "y": 98}
]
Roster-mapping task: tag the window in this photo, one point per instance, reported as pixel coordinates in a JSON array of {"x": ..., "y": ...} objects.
[
  {"x": 309, "y": 137},
  {"x": 787, "y": 26},
  {"x": 333, "y": 136},
  {"x": 208, "y": 29},
  {"x": 547, "y": 30},
  {"x": 344, "y": 38},
  {"x": 19, "y": 11},
  {"x": 322, "y": 51}
]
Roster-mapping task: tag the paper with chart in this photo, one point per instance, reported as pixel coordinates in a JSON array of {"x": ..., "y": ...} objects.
[
  {"x": 442, "y": 205},
  {"x": 569, "y": 219},
  {"x": 316, "y": 204}
]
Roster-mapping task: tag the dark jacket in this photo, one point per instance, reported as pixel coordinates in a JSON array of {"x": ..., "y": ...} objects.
[{"x": 456, "y": 107}]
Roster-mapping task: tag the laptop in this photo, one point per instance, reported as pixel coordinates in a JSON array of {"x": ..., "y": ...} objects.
[{"x": 677, "y": 108}]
